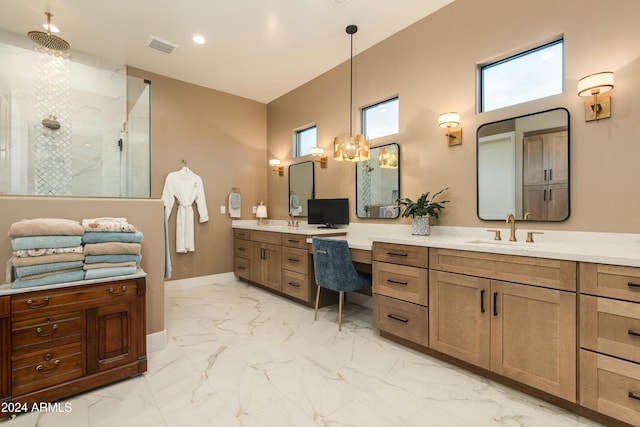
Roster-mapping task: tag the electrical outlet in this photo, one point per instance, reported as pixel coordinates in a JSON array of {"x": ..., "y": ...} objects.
[
  {"x": 223, "y": 209},
  {"x": 254, "y": 209}
]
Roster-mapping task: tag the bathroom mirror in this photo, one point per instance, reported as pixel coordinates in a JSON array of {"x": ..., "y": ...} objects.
[
  {"x": 301, "y": 187},
  {"x": 378, "y": 183},
  {"x": 523, "y": 167}
]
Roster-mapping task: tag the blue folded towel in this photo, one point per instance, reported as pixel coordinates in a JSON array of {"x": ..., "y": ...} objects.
[
  {"x": 69, "y": 276},
  {"x": 234, "y": 200},
  {"x": 99, "y": 273},
  {"x": 111, "y": 236},
  {"x": 29, "y": 270},
  {"x": 45, "y": 242},
  {"x": 295, "y": 201},
  {"x": 94, "y": 259}
]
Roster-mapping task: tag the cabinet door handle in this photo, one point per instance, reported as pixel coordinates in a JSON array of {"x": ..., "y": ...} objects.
[
  {"x": 495, "y": 303},
  {"x": 397, "y": 282},
  {"x": 40, "y": 368},
  {"x": 544, "y": 195},
  {"x": 545, "y": 175},
  {"x": 632, "y": 395},
  {"x": 550, "y": 174},
  {"x": 398, "y": 318},
  {"x": 633, "y": 285},
  {"x": 293, "y": 260},
  {"x": 40, "y": 333},
  {"x": 44, "y": 303},
  {"x": 633, "y": 333},
  {"x": 482, "y": 292},
  {"x": 295, "y": 285},
  {"x": 397, "y": 254},
  {"x": 550, "y": 194},
  {"x": 117, "y": 294}
]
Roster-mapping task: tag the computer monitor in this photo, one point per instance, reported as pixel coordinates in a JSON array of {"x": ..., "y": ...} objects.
[{"x": 328, "y": 212}]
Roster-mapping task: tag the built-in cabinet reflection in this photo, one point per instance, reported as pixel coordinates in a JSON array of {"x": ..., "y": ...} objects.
[
  {"x": 378, "y": 183},
  {"x": 523, "y": 167}
]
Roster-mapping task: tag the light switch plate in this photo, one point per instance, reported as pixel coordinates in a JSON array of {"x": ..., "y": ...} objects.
[
  {"x": 223, "y": 209},
  {"x": 254, "y": 209}
]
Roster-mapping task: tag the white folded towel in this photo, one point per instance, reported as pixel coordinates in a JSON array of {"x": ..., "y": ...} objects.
[{"x": 235, "y": 205}]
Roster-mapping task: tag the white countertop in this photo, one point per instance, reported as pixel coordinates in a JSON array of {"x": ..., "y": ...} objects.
[{"x": 605, "y": 248}]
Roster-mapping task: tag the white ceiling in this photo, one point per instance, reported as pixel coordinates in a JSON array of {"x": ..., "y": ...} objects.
[{"x": 257, "y": 49}]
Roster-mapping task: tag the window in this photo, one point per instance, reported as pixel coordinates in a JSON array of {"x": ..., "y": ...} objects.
[
  {"x": 530, "y": 75},
  {"x": 380, "y": 119},
  {"x": 304, "y": 140}
]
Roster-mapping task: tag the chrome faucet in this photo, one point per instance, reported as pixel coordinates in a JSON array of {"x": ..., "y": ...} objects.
[{"x": 512, "y": 220}]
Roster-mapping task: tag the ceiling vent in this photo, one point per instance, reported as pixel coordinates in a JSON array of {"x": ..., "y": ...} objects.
[{"x": 162, "y": 45}]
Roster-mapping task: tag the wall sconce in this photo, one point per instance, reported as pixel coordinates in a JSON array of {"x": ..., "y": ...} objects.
[
  {"x": 598, "y": 107},
  {"x": 451, "y": 121},
  {"x": 275, "y": 166},
  {"x": 388, "y": 158},
  {"x": 261, "y": 213},
  {"x": 318, "y": 156}
]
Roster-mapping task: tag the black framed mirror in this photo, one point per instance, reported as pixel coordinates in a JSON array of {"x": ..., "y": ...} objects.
[
  {"x": 301, "y": 187},
  {"x": 523, "y": 167},
  {"x": 378, "y": 183}
]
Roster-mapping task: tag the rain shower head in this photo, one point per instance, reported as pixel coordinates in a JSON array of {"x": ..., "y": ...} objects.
[{"x": 48, "y": 40}]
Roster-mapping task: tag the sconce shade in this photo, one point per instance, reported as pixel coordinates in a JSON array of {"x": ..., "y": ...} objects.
[
  {"x": 388, "y": 158},
  {"x": 261, "y": 212},
  {"x": 597, "y": 83},
  {"x": 274, "y": 162},
  {"x": 317, "y": 151},
  {"x": 449, "y": 120}
]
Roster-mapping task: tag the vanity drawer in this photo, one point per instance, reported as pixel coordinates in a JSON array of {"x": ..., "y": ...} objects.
[
  {"x": 295, "y": 284},
  {"x": 610, "y": 386},
  {"x": 266, "y": 237},
  {"x": 610, "y": 326},
  {"x": 242, "y": 267},
  {"x": 45, "y": 332},
  {"x": 415, "y": 256},
  {"x": 399, "y": 281},
  {"x": 294, "y": 241},
  {"x": 242, "y": 234},
  {"x": 400, "y": 318},
  {"x": 295, "y": 260},
  {"x": 547, "y": 273},
  {"x": 46, "y": 368},
  {"x": 36, "y": 304},
  {"x": 242, "y": 248},
  {"x": 610, "y": 281}
]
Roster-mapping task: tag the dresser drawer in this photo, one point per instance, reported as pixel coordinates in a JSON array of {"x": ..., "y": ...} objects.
[
  {"x": 399, "y": 281},
  {"x": 242, "y": 248},
  {"x": 242, "y": 267},
  {"x": 610, "y": 386},
  {"x": 295, "y": 260},
  {"x": 46, "y": 368},
  {"x": 295, "y": 284},
  {"x": 266, "y": 237},
  {"x": 610, "y": 326},
  {"x": 39, "y": 303},
  {"x": 403, "y": 319},
  {"x": 415, "y": 256},
  {"x": 294, "y": 241},
  {"x": 241, "y": 234},
  {"x": 45, "y": 332},
  {"x": 610, "y": 281}
]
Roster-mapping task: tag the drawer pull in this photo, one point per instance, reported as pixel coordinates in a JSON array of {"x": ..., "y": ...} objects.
[
  {"x": 632, "y": 395},
  {"x": 242, "y": 249},
  {"x": 397, "y": 254},
  {"x": 397, "y": 282},
  {"x": 44, "y": 303},
  {"x": 117, "y": 294},
  {"x": 54, "y": 328},
  {"x": 40, "y": 368},
  {"x": 634, "y": 333},
  {"x": 295, "y": 285},
  {"x": 633, "y": 285},
  {"x": 495, "y": 303},
  {"x": 293, "y": 260},
  {"x": 398, "y": 318},
  {"x": 482, "y": 292},
  {"x": 293, "y": 241},
  {"x": 242, "y": 267}
]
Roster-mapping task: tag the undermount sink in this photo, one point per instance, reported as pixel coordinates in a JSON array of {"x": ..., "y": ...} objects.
[{"x": 502, "y": 244}]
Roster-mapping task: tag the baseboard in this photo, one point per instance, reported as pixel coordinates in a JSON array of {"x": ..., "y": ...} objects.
[
  {"x": 156, "y": 341},
  {"x": 360, "y": 299},
  {"x": 201, "y": 280}
]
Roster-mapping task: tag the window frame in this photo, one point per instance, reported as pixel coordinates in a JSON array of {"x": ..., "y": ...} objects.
[
  {"x": 363, "y": 120},
  {"x": 296, "y": 139}
]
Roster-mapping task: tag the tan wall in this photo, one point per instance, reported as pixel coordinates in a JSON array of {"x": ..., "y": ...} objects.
[
  {"x": 223, "y": 139},
  {"x": 432, "y": 67},
  {"x": 146, "y": 215}
]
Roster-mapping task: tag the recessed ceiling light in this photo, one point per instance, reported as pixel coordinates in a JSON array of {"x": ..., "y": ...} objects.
[
  {"x": 199, "y": 40},
  {"x": 53, "y": 28}
]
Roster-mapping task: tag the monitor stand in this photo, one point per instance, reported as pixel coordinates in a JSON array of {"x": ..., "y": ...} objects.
[{"x": 327, "y": 225}]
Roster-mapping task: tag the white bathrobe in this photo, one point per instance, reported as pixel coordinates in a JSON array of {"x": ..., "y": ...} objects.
[{"x": 187, "y": 187}]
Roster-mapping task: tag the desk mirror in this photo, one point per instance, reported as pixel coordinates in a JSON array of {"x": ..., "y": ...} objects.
[
  {"x": 378, "y": 183},
  {"x": 523, "y": 167},
  {"x": 301, "y": 187}
]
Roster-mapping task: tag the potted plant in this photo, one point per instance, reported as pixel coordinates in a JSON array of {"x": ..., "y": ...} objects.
[{"x": 421, "y": 210}]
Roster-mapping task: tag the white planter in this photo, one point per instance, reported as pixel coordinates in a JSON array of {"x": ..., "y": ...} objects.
[{"x": 420, "y": 226}]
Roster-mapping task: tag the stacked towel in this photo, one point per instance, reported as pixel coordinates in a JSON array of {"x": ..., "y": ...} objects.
[
  {"x": 112, "y": 247},
  {"x": 46, "y": 251},
  {"x": 235, "y": 205}
]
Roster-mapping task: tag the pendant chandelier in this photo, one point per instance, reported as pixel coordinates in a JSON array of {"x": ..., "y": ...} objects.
[{"x": 350, "y": 148}]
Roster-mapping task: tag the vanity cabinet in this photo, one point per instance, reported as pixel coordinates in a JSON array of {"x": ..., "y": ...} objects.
[
  {"x": 5, "y": 348},
  {"x": 512, "y": 315},
  {"x": 400, "y": 291},
  {"x": 610, "y": 340},
  {"x": 265, "y": 259},
  {"x": 297, "y": 276},
  {"x": 63, "y": 341},
  {"x": 242, "y": 254}
]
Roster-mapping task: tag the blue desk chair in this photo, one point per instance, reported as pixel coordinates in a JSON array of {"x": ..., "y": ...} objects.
[{"x": 334, "y": 270}]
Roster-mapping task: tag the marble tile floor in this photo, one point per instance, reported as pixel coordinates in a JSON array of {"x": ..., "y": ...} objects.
[{"x": 240, "y": 356}]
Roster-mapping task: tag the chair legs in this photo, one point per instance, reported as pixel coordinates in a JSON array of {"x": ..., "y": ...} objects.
[
  {"x": 315, "y": 316},
  {"x": 340, "y": 305}
]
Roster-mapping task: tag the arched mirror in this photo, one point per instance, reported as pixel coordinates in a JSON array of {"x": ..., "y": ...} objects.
[
  {"x": 523, "y": 167},
  {"x": 378, "y": 183},
  {"x": 301, "y": 187}
]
